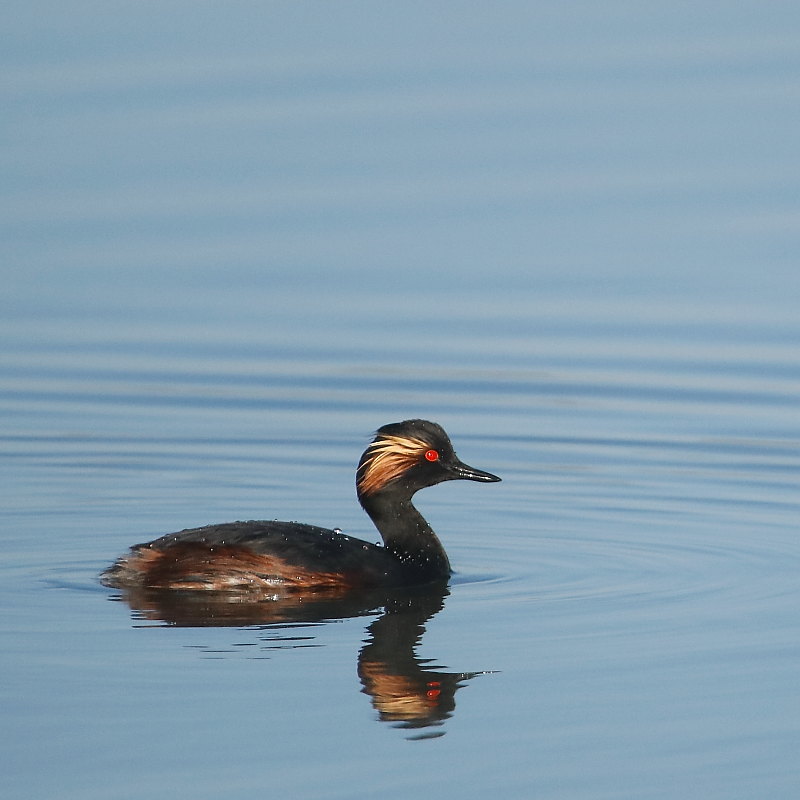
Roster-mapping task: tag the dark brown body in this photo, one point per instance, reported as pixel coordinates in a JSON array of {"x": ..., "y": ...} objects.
[{"x": 263, "y": 556}]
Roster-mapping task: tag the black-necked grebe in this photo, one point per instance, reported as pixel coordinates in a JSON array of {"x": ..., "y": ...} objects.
[{"x": 267, "y": 555}]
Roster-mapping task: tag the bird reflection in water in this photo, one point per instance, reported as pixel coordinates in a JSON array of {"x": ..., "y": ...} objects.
[{"x": 405, "y": 690}]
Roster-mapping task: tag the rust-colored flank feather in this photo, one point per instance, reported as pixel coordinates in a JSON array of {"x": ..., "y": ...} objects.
[
  {"x": 387, "y": 459},
  {"x": 194, "y": 566}
]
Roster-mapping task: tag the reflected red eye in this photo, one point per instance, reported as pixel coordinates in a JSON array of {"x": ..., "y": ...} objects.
[{"x": 432, "y": 455}]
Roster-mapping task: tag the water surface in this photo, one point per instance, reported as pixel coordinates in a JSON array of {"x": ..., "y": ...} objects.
[{"x": 236, "y": 242}]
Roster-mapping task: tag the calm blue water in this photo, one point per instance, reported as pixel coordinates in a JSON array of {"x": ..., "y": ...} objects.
[{"x": 238, "y": 238}]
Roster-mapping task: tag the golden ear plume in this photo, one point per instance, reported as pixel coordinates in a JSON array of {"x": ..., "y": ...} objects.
[{"x": 388, "y": 458}]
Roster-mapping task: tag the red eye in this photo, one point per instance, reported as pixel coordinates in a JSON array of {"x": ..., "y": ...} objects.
[{"x": 432, "y": 455}]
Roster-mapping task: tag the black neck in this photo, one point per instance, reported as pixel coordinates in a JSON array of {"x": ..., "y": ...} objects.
[{"x": 407, "y": 536}]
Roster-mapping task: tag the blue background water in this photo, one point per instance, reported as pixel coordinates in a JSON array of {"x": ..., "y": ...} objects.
[{"x": 237, "y": 238}]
